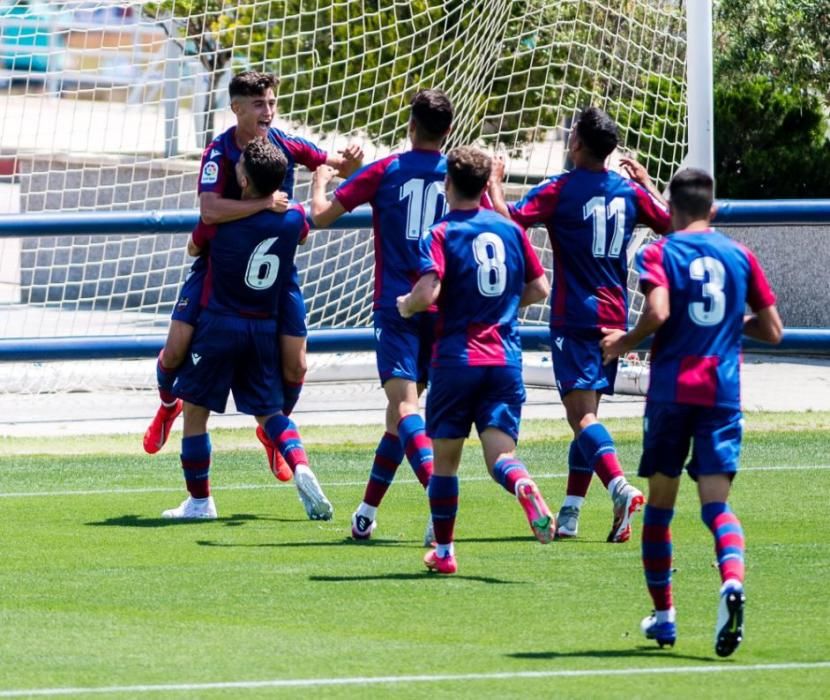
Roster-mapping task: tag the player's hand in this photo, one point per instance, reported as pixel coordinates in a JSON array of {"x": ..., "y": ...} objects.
[
  {"x": 635, "y": 170},
  {"x": 612, "y": 344},
  {"x": 403, "y": 306},
  {"x": 323, "y": 175},
  {"x": 352, "y": 157},
  {"x": 279, "y": 202},
  {"x": 498, "y": 168}
]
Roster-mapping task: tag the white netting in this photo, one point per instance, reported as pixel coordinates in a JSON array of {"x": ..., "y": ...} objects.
[{"x": 107, "y": 105}]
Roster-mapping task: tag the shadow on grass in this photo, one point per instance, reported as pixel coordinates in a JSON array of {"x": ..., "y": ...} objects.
[
  {"x": 638, "y": 652},
  {"x": 142, "y": 521},
  {"x": 347, "y": 541},
  {"x": 425, "y": 575}
]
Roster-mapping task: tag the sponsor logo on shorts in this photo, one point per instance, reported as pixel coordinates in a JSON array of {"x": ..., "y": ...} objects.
[
  {"x": 378, "y": 331},
  {"x": 195, "y": 358},
  {"x": 560, "y": 341},
  {"x": 210, "y": 173}
]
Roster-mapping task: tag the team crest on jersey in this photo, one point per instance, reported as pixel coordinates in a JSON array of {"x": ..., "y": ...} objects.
[{"x": 210, "y": 173}]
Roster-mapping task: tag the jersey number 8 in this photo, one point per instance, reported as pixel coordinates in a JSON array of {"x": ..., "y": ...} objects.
[{"x": 488, "y": 250}]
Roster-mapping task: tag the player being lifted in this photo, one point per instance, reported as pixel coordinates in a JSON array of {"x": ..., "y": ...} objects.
[
  {"x": 235, "y": 346},
  {"x": 406, "y": 192},
  {"x": 479, "y": 267},
  {"x": 590, "y": 213},
  {"x": 253, "y": 103},
  {"x": 697, "y": 284}
]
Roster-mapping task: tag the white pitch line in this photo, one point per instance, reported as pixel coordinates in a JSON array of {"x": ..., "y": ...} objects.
[
  {"x": 399, "y": 680},
  {"x": 336, "y": 484}
]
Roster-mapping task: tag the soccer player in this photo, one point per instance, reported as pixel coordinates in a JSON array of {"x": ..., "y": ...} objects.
[
  {"x": 253, "y": 103},
  {"x": 697, "y": 284},
  {"x": 406, "y": 191},
  {"x": 235, "y": 346},
  {"x": 479, "y": 267},
  {"x": 590, "y": 213}
]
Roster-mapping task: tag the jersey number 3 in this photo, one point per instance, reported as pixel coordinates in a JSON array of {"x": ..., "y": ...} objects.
[
  {"x": 712, "y": 273},
  {"x": 263, "y": 267}
]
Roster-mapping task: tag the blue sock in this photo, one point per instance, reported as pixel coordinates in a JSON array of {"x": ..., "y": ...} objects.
[{"x": 195, "y": 457}]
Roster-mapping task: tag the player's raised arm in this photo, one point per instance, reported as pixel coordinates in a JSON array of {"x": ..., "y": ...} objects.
[
  {"x": 495, "y": 187},
  {"x": 324, "y": 211},
  {"x": 637, "y": 172},
  {"x": 348, "y": 161}
]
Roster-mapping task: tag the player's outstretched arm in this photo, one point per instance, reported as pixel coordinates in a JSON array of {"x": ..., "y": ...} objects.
[
  {"x": 324, "y": 211},
  {"x": 214, "y": 209},
  {"x": 535, "y": 291},
  {"x": 637, "y": 172},
  {"x": 617, "y": 342},
  {"x": 765, "y": 325},
  {"x": 495, "y": 187},
  {"x": 348, "y": 161},
  {"x": 423, "y": 295}
]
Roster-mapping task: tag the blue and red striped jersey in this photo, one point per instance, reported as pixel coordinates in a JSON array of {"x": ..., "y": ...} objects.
[
  {"x": 483, "y": 261},
  {"x": 695, "y": 357},
  {"x": 406, "y": 191},
  {"x": 250, "y": 260},
  {"x": 222, "y": 154},
  {"x": 590, "y": 217}
]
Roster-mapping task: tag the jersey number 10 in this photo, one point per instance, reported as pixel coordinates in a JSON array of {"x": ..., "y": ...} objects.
[{"x": 425, "y": 203}]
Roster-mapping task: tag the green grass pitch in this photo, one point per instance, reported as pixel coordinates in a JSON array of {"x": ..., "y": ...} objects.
[{"x": 98, "y": 592}]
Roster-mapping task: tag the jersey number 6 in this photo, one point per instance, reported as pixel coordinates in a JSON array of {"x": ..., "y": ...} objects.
[{"x": 263, "y": 267}]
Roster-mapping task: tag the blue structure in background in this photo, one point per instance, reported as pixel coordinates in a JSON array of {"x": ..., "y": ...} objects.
[{"x": 795, "y": 341}]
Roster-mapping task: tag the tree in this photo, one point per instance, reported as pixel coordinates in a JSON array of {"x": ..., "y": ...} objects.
[{"x": 770, "y": 142}]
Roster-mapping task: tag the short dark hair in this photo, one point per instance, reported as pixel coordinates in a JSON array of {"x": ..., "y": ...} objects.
[
  {"x": 597, "y": 131},
  {"x": 252, "y": 83},
  {"x": 469, "y": 170},
  {"x": 266, "y": 165},
  {"x": 692, "y": 193},
  {"x": 432, "y": 114}
]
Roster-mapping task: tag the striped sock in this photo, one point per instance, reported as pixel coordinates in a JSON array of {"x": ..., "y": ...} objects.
[
  {"x": 417, "y": 446},
  {"x": 729, "y": 539},
  {"x": 599, "y": 451},
  {"x": 579, "y": 472},
  {"x": 282, "y": 431},
  {"x": 195, "y": 458},
  {"x": 165, "y": 378},
  {"x": 290, "y": 396},
  {"x": 388, "y": 457},
  {"x": 443, "y": 504},
  {"x": 656, "y": 553},
  {"x": 508, "y": 471}
]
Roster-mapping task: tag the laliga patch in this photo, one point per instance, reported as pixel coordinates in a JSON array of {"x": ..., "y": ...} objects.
[{"x": 210, "y": 173}]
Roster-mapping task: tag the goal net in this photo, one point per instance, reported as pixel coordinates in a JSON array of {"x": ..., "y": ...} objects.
[{"x": 107, "y": 105}]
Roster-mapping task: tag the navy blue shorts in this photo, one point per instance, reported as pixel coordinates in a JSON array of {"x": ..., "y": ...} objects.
[
  {"x": 229, "y": 353},
  {"x": 403, "y": 346},
  {"x": 577, "y": 362},
  {"x": 188, "y": 306},
  {"x": 669, "y": 429},
  {"x": 292, "y": 307},
  {"x": 490, "y": 397}
]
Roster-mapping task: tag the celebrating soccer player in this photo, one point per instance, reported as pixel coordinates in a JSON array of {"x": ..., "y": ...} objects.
[
  {"x": 406, "y": 192},
  {"x": 697, "y": 283},
  {"x": 253, "y": 103},
  {"x": 479, "y": 268},
  {"x": 590, "y": 213},
  {"x": 235, "y": 346}
]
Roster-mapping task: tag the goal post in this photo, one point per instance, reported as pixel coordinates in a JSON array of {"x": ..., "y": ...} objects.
[{"x": 105, "y": 106}]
